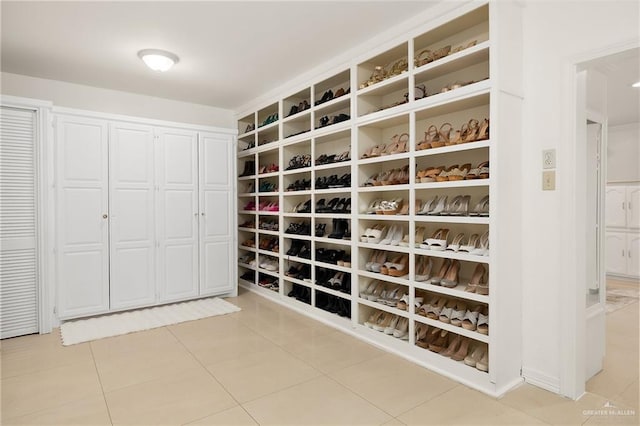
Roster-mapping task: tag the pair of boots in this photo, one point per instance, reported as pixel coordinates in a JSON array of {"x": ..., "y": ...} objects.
[
  {"x": 340, "y": 229},
  {"x": 249, "y": 168}
]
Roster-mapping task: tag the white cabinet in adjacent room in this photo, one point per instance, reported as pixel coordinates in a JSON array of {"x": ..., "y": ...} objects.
[
  {"x": 616, "y": 249},
  {"x": 82, "y": 216},
  {"x": 615, "y": 212},
  {"x": 622, "y": 217},
  {"x": 133, "y": 239}
]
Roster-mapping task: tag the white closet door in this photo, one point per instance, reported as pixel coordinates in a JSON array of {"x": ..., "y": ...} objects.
[
  {"x": 215, "y": 209},
  {"x": 633, "y": 255},
  {"x": 18, "y": 262},
  {"x": 82, "y": 216},
  {"x": 132, "y": 216},
  {"x": 177, "y": 171}
]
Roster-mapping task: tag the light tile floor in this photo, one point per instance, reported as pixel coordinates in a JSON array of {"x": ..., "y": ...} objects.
[{"x": 268, "y": 365}]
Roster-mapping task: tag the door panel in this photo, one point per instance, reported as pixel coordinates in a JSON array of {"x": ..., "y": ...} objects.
[
  {"x": 217, "y": 253},
  {"x": 133, "y": 241},
  {"x": 633, "y": 207},
  {"x": 633, "y": 255},
  {"x": 216, "y": 270},
  {"x": 616, "y": 253},
  {"x": 615, "y": 206},
  {"x": 177, "y": 213},
  {"x": 82, "y": 203},
  {"x": 216, "y": 219}
]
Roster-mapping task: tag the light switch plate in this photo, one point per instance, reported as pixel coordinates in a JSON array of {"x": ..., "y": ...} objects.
[
  {"x": 549, "y": 159},
  {"x": 549, "y": 180}
]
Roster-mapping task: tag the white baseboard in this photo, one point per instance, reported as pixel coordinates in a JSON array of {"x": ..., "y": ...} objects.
[{"x": 541, "y": 380}]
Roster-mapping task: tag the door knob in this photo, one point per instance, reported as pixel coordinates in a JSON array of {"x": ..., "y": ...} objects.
[{"x": 104, "y": 216}]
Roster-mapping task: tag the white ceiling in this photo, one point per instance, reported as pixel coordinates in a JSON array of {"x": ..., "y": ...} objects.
[
  {"x": 621, "y": 71},
  {"x": 230, "y": 52}
]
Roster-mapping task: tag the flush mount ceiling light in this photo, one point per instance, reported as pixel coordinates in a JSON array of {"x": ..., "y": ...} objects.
[
  {"x": 158, "y": 60},
  {"x": 636, "y": 84}
]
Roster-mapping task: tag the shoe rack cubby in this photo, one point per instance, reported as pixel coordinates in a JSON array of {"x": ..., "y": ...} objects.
[{"x": 389, "y": 187}]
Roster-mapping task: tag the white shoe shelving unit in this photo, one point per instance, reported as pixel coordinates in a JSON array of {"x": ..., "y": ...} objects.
[{"x": 491, "y": 70}]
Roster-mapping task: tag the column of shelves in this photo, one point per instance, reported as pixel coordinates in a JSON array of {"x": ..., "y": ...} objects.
[{"x": 384, "y": 188}]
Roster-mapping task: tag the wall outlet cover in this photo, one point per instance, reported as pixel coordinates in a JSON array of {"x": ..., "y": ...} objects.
[
  {"x": 549, "y": 159},
  {"x": 549, "y": 180}
]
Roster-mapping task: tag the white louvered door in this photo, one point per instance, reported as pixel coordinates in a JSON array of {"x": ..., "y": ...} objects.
[{"x": 18, "y": 243}]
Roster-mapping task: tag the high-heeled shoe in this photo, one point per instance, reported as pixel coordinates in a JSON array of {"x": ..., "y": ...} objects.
[
  {"x": 423, "y": 268},
  {"x": 399, "y": 268},
  {"x": 476, "y": 355},
  {"x": 458, "y": 173},
  {"x": 450, "y": 279},
  {"x": 431, "y": 335},
  {"x": 482, "y": 248},
  {"x": 398, "y": 145},
  {"x": 438, "y": 240},
  {"x": 401, "y": 330},
  {"x": 476, "y": 279},
  {"x": 459, "y": 206},
  {"x": 480, "y": 172},
  {"x": 470, "y": 320},
  {"x": 440, "y": 342},
  {"x": 482, "y": 208},
  {"x": 435, "y": 280},
  {"x": 428, "y": 206},
  {"x": 454, "y": 345},
  {"x": 483, "y": 321},
  {"x": 456, "y": 243},
  {"x": 439, "y": 207},
  {"x": 419, "y": 237},
  {"x": 483, "y": 132},
  {"x": 463, "y": 350}
]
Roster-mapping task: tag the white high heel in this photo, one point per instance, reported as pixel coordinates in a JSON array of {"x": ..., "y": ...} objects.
[
  {"x": 440, "y": 207},
  {"x": 387, "y": 240},
  {"x": 471, "y": 245},
  {"x": 460, "y": 207},
  {"x": 483, "y": 246},
  {"x": 456, "y": 243},
  {"x": 377, "y": 234},
  {"x": 428, "y": 206},
  {"x": 438, "y": 241},
  {"x": 397, "y": 237},
  {"x": 482, "y": 208}
]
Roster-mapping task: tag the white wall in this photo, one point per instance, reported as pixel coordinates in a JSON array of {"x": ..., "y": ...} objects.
[
  {"x": 556, "y": 35},
  {"x": 623, "y": 153},
  {"x": 115, "y": 102}
]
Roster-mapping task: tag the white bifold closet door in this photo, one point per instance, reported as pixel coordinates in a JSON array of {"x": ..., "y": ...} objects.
[
  {"x": 18, "y": 245},
  {"x": 216, "y": 209},
  {"x": 178, "y": 216},
  {"x": 132, "y": 210},
  {"x": 82, "y": 216}
]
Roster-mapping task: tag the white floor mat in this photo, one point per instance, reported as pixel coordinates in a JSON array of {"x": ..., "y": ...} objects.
[{"x": 85, "y": 330}]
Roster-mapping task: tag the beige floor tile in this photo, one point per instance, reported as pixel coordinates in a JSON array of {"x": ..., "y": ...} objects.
[
  {"x": 393, "y": 422},
  {"x": 118, "y": 371},
  {"x": 630, "y": 396},
  {"x": 332, "y": 351},
  {"x": 172, "y": 399},
  {"x": 24, "y": 359},
  {"x": 157, "y": 339},
  {"x": 255, "y": 374},
  {"x": 29, "y": 393},
  {"x": 317, "y": 402},
  {"x": 552, "y": 408},
  {"x": 32, "y": 341},
  {"x": 619, "y": 371},
  {"x": 89, "y": 411},
  {"x": 464, "y": 406},
  {"x": 235, "y": 416},
  {"x": 392, "y": 383},
  {"x": 215, "y": 349}
]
